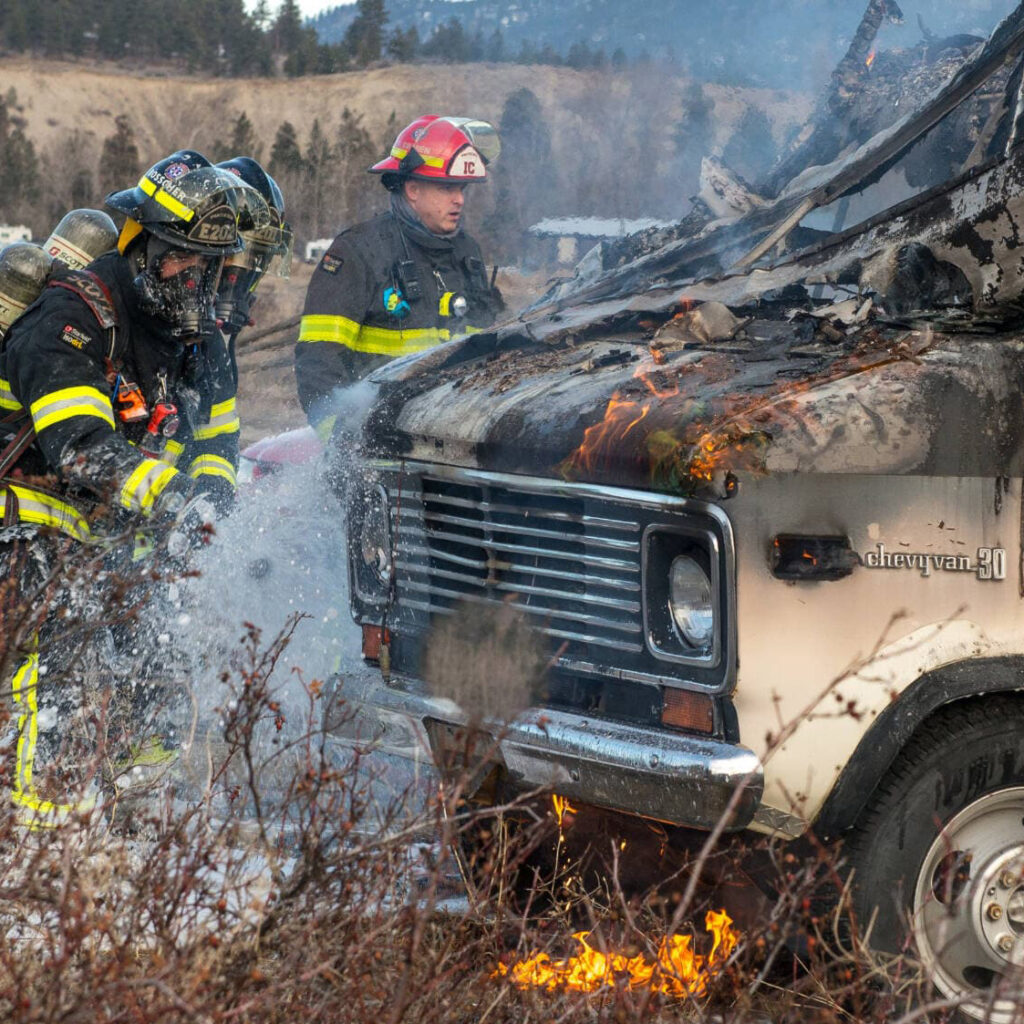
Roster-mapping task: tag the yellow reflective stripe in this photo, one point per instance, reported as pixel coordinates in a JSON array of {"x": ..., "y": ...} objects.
[
  {"x": 7, "y": 399},
  {"x": 430, "y": 161},
  {"x": 145, "y": 485},
  {"x": 374, "y": 340},
  {"x": 383, "y": 342},
  {"x": 318, "y": 327},
  {"x": 223, "y": 420},
  {"x": 41, "y": 813},
  {"x": 43, "y": 510},
  {"x": 68, "y": 403},
  {"x": 172, "y": 450},
  {"x": 168, "y": 202},
  {"x": 212, "y": 465}
]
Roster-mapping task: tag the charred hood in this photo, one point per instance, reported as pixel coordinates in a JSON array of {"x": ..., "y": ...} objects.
[{"x": 683, "y": 416}]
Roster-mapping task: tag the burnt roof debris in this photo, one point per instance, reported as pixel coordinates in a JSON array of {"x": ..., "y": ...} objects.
[{"x": 947, "y": 254}]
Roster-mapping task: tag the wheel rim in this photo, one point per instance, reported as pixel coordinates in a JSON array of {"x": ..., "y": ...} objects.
[{"x": 969, "y": 906}]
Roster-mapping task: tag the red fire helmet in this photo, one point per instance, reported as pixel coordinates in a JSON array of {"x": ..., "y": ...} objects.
[{"x": 448, "y": 149}]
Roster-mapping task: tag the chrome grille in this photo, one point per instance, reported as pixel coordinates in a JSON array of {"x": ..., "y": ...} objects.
[{"x": 574, "y": 570}]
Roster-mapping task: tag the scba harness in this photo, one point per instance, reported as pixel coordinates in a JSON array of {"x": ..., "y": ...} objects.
[{"x": 18, "y": 502}]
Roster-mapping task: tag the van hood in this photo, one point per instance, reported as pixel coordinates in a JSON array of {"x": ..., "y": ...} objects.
[{"x": 643, "y": 406}]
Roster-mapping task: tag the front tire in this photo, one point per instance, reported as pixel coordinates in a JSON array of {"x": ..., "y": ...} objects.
[{"x": 938, "y": 854}]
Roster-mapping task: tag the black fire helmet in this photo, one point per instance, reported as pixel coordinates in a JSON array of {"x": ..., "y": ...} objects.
[{"x": 186, "y": 201}]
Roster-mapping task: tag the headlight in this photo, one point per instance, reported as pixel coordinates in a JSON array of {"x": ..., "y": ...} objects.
[
  {"x": 374, "y": 547},
  {"x": 682, "y": 595},
  {"x": 690, "y": 603}
]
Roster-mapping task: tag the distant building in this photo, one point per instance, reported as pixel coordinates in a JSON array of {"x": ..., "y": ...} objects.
[
  {"x": 14, "y": 233},
  {"x": 562, "y": 241},
  {"x": 316, "y": 249}
]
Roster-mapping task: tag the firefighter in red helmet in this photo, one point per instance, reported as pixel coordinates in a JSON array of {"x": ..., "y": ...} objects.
[{"x": 406, "y": 279}]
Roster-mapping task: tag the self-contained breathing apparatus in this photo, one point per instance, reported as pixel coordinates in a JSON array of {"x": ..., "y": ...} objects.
[{"x": 25, "y": 270}]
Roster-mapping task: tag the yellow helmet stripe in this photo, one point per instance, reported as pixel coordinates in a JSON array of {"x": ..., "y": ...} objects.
[
  {"x": 145, "y": 485},
  {"x": 167, "y": 201},
  {"x": 67, "y": 403},
  {"x": 430, "y": 161}
]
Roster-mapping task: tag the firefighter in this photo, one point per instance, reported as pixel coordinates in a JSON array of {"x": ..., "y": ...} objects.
[
  {"x": 127, "y": 423},
  {"x": 267, "y": 250},
  {"x": 406, "y": 279}
]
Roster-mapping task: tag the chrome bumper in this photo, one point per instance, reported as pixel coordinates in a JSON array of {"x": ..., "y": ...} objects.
[{"x": 684, "y": 780}]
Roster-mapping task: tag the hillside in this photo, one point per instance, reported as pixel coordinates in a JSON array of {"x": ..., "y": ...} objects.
[{"x": 169, "y": 111}]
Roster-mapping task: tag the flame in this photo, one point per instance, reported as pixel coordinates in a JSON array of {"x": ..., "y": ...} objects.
[
  {"x": 621, "y": 415},
  {"x": 870, "y": 59},
  {"x": 562, "y": 808},
  {"x": 677, "y": 970}
]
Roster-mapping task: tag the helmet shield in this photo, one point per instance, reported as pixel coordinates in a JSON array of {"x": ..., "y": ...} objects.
[
  {"x": 482, "y": 134},
  {"x": 268, "y": 252},
  {"x": 267, "y": 244},
  {"x": 178, "y": 286}
]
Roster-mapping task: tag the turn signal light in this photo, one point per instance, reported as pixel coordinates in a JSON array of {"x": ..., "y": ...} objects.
[
  {"x": 373, "y": 638},
  {"x": 684, "y": 709}
]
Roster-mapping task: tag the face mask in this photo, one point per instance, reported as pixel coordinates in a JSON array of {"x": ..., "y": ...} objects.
[{"x": 178, "y": 287}]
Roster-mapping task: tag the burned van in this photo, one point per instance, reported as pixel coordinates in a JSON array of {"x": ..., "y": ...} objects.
[{"x": 755, "y": 495}]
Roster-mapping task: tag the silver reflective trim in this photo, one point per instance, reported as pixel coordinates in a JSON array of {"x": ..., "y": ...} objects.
[{"x": 685, "y": 780}]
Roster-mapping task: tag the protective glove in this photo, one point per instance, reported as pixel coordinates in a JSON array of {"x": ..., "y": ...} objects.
[
  {"x": 219, "y": 492},
  {"x": 192, "y": 527}
]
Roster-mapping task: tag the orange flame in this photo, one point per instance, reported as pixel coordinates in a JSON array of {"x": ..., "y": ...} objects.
[
  {"x": 621, "y": 415},
  {"x": 677, "y": 970},
  {"x": 870, "y": 59},
  {"x": 562, "y": 808}
]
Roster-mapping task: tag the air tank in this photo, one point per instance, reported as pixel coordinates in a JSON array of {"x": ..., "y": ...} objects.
[
  {"x": 24, "y": 268},
  {"x": 80, "y": 237}
]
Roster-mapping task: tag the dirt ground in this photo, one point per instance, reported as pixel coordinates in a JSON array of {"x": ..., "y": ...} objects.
[{"x": 266, "y": 382}]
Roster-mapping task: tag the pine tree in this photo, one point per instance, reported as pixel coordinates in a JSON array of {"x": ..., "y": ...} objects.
[
  {"x": 119, "y": 159},
  {"x": 319, "y": 167},
  {"x": 287, "y": 29},
  {"x": 364, "y": 38},
  {"x": 243, "y": 141},
  {"x": 19, "y": 182},
  {"x": 403, "y": 44},
  {"x": 526, "y": 147},
  {"x": 495, "y": 47},
  {"x": 354, "y": 153},
  {"x": 285, "y": 154}
]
